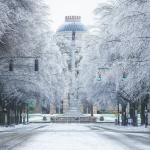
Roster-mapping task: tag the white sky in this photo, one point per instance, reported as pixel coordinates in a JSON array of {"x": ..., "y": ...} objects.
[{"x": 62, "y": 8}]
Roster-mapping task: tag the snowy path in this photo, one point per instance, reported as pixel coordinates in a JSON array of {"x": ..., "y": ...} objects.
[{"x": 81, "y": 137}]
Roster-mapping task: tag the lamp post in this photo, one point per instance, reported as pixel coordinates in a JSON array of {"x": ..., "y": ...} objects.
[
  {"x": 99, "y": 78},
  {"x": 5, "y": 113},
  {"x": 146, "y": 117},
  {"x": 73, "y": 100},
  {"x": 123, "y": 77},
  {"x": 27, "y": 105},
  {"x": 118, "y": 109}
]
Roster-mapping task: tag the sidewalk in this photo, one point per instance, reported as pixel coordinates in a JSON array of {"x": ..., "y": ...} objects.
[
  {"x": 129, "y": 129},
  {"x": 19, "y": 126}
]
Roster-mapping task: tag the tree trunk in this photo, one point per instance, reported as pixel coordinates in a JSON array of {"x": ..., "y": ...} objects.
[
  {"x": 142, "y": 113},
  {"x": 91, "y": 110},
  {"x": 124, "y": 117},
  {"x": 133, "y": 114}
]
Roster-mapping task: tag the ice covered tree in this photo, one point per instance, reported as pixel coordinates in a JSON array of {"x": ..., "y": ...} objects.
[
  {"x": 121, "y": 43},
  {"x": 26, "y": 36}
]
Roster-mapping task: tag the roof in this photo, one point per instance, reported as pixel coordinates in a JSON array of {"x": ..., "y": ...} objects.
[{"x": 72, "y": 23}]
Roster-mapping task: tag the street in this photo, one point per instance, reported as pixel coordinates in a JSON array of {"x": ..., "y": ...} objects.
[{"x": 72, "y": 137}]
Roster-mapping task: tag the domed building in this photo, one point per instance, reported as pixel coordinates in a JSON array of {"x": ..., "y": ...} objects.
[
  {"x": 64, "y": 41},
  {"x": 72, "y": 23}
]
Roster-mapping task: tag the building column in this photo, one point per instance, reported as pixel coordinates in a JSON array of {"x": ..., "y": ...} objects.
[
  {"x": 94, "y": 109},
  {"x": 38, "y": 105},
  {"x": 52, "y": 107},
  {"x": 65, "y": 104}
]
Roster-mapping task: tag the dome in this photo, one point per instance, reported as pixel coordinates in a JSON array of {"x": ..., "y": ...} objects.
[{"x": 72, "y": 23}]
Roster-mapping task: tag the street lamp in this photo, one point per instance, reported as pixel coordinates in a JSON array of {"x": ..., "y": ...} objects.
[
  {"x": 99, "y": 73},
  {"x": 99, "y": 77},
  {"x": 11, "y": 69},
  {"x": 11, "y": 61},
  {"x": 146, "y": 117}
]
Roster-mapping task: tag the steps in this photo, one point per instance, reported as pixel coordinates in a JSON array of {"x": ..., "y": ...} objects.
[{"x": 82, "y": 119}]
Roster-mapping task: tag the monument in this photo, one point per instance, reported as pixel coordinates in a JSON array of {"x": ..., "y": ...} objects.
[{"x": 73, "y": 30}]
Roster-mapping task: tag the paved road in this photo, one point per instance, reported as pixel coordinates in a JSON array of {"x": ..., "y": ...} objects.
[{"x": 71, "y": 137}]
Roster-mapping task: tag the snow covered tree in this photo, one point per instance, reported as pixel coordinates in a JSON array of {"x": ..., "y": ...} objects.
[
  {"x": 120, "y": 43},
  {"x": 26, "y": 37}
]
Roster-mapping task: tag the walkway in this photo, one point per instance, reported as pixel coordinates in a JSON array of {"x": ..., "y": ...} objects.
[{"x": 71, "y": 137}]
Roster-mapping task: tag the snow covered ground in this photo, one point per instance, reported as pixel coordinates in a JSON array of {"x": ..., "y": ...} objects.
[
  {"x": 107, "y": 117},
  {"x": 9, "y": 128},
  {"x": 18, "y": 127},
  {"x": 125, "y": 128},
  {"x": 39, "y": 117},
  {"x": 81, "y": 137}
]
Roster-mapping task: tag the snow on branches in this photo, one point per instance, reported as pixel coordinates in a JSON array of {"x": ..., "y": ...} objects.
[
  {"x": 121, "y": 44},
  {"x": 26, "y": 36}
]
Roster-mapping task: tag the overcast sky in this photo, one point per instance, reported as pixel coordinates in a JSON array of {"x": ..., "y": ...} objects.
[{"x": 62, "y": 8}]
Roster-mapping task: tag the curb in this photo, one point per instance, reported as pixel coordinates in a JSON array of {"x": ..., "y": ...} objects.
[{"x": 123, "y": 131}]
